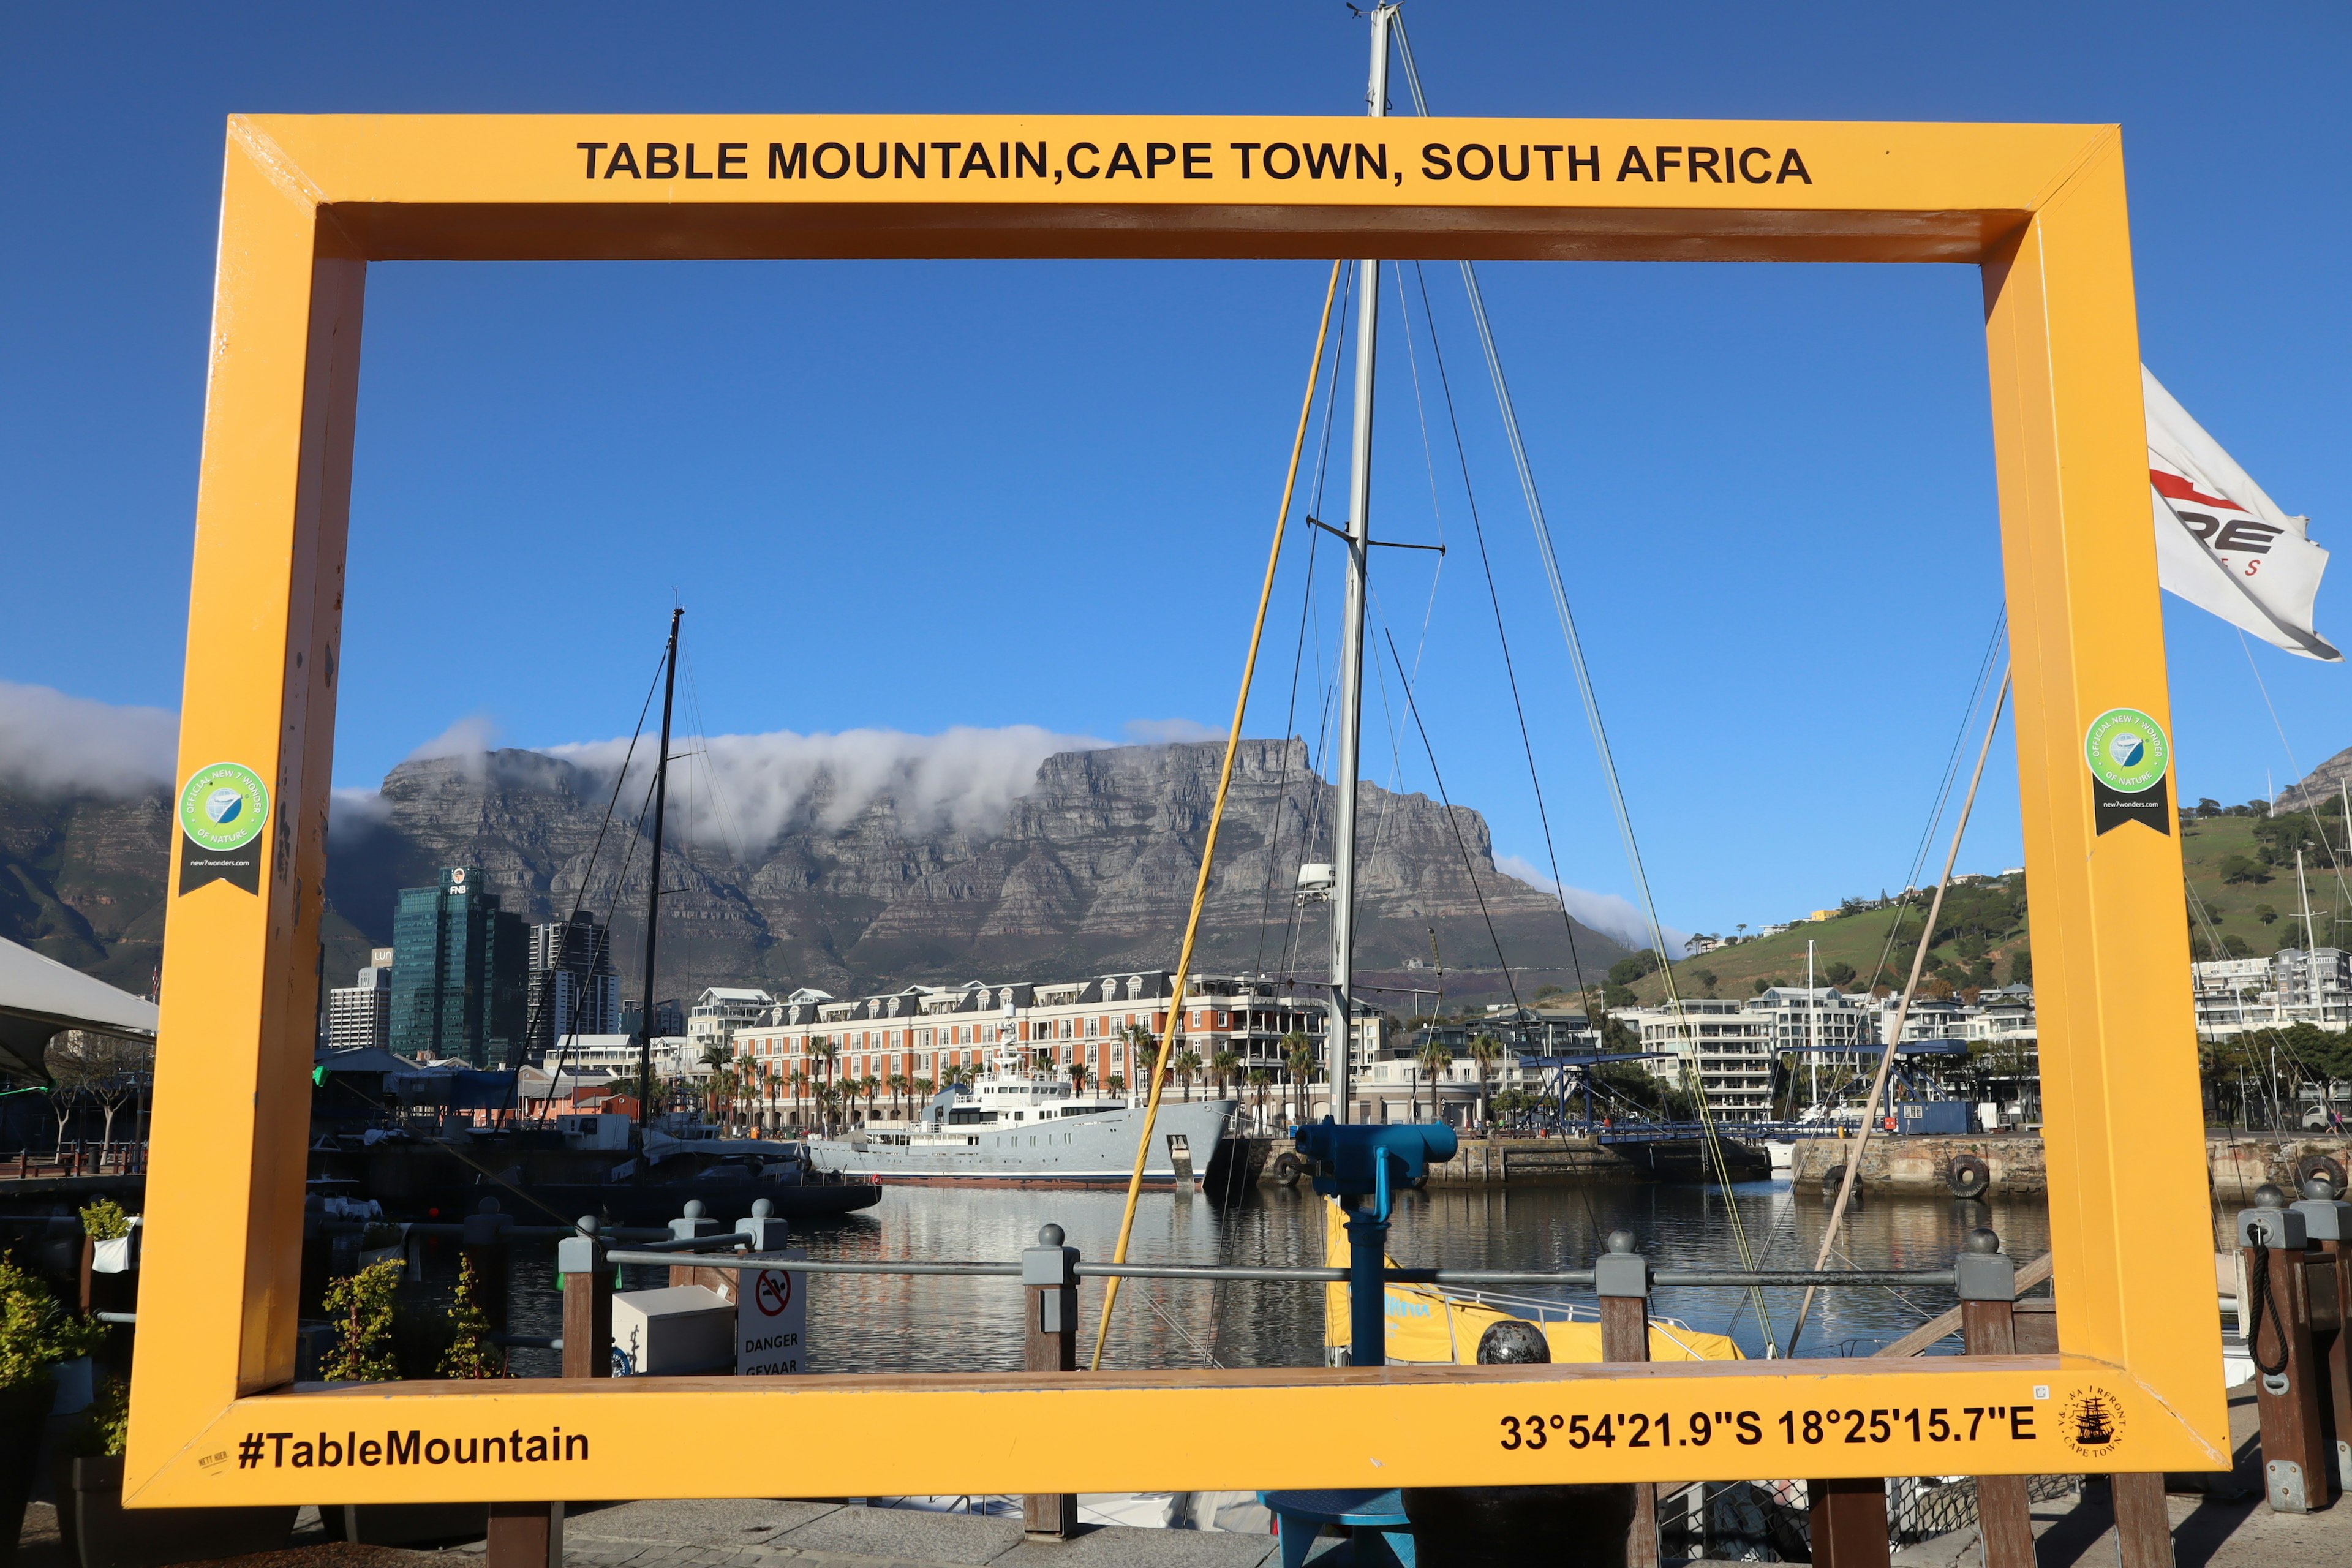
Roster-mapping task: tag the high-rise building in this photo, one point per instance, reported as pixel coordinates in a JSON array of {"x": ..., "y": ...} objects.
[
  {"x": 574, "y": 989},
  {"x": 460, "y": 973},
  {"x": 360, "y": 1015},
  {"x": 669, "y": 1018}
]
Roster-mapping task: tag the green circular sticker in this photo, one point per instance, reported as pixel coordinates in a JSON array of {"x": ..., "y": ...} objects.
[
  {"x": 223, "y": 806},
  {"x": 2128, "y": 751}
]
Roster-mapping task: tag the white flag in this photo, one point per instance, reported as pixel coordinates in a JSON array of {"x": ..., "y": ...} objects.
[{"x": 2221, "y": 543}]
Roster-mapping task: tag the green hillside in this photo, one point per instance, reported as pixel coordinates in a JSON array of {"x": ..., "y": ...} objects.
[{"x": 2241, "y": 870}]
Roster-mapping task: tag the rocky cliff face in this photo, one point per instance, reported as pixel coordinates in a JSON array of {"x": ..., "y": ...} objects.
[{"x": 1092, "y": 870}]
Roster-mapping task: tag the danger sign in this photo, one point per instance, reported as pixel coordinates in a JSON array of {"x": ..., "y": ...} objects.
[{"x": 771, "y": 1319}]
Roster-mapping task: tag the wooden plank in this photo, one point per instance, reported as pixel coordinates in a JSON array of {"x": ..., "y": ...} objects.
[{"x": 1944, "y": 1326}]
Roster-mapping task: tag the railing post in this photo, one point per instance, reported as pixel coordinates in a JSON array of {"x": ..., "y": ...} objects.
[
  {"x": 1988, "y": 1292},
  {"x": 2295, "y": 1463},
  {"x": 693, "y": 1221},
  {"x": 2327, "y": 1223},
  {"x": 587, "y": 1303},
  {"x": 1847, "y": 1521},
  {"x": 1049, "y": 1281},
  {"x": 483, "y": 1243},
  {"x": 525, "y": 1535},
  {"x": 1621, "y": 1278}
]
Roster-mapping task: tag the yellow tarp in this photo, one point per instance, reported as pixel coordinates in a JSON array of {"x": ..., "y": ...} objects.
[{"x": 1424, "y": 1324}]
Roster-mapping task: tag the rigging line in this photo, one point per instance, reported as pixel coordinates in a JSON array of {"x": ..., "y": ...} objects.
[
  {"x": 531, "y": 1022},
  {"x": 2204, "y": 917},
  {"x": 1903, "y": 1008},
  {"x": 1309, "y": 834},
  {"x": 1585, "y": 689},
  {"x": 1943, "y": 799},
  {"x": 1282, "y": 782},
  {"x": 1414, "y": 710},
  {"x": 1299, "y": 655},
  {"x": 1494, "y": 597},
  {"x": 1429, "y": 610},
  {"x": 2312, "y": 811},
  {"x": 1159, "y": 1059}
]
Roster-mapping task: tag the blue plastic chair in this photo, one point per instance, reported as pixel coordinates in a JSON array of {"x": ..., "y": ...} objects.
[{"x": 1382, "y": 1535}]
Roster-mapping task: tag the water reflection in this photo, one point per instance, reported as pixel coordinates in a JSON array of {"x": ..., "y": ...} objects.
[{"x": 886, "y": 1323}]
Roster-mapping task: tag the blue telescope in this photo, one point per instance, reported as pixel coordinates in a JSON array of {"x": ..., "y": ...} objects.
[{"x": 1362, "y": 1164}]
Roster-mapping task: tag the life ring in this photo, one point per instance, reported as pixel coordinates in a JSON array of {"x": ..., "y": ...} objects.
[
  {"x": 1968, "y": 1176},
  {"x": 2325, "y": 1166},
  {"x": 1287, "y": 1167}
]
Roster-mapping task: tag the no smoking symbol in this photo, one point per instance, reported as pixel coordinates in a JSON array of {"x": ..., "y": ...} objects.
[{"x": 773, "y": 1293}]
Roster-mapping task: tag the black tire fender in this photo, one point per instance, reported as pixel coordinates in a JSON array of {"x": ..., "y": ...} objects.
[
  {"x": 2326, "y": 1165},
  {"x": 1968, "y": 1176},
  {"x": 1287, "y": 1169}
]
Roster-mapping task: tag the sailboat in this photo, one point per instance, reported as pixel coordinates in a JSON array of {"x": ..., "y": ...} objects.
[
  {"x": 666, "y": 1167},
  {"x": 1424, "y": 1323}
]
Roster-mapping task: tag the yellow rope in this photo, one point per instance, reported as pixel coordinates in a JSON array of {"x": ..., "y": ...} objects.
[{"x": 1216, "y": 821}]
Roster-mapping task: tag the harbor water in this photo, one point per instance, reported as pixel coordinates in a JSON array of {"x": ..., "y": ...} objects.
[{"x": 900, "y": 1323}]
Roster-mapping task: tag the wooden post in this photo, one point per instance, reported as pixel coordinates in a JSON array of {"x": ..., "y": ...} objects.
[
  {"x": 587, "y": 1303},
  {"x": 1847, "y": 1521},
  {"x": 1049, "y": 1284},
  {"x": 1987, "y": 1291},
  {"x": 525, "y": 1535},
  {"x": 2327, "y": 1223},
  {"x": 2143, "y": 1528},
  {"x": 1620, "y": 1277},
  {"x": 89, "y": 1271},
  {"x": 2297, "y": 1464}
]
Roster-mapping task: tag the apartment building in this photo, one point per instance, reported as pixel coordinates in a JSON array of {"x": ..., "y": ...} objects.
[
  {"x": 1726, "y": 1045},
  {"x": 1071, "y": 1027}
]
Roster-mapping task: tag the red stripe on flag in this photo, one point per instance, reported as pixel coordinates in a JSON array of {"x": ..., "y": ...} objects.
[{"x": 2179, "y": 489}]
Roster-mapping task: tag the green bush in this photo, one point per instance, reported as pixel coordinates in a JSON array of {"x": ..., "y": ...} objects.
[
  {"x": 364, "y": 1351},
  {"x": 105, "y": 1221},
  {"x": 36, "y": 1331}
]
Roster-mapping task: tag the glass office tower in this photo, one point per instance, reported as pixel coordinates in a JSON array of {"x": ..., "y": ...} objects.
[{"x": 459, "y": 973}]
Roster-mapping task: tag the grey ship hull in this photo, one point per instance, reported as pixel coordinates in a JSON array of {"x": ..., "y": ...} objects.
[{"x": 1069, "y": 1151}]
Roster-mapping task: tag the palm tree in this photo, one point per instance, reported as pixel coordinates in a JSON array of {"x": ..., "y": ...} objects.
[
  {"x": 1435, "y": 1056},
  {"x": 1259, "y": 1077},
  {"x": 1119, "y": 1083},
  {"x": 1227, "y": 1066},
  {"x": 1078, "y": 1078},
  {"x": 1485, "y": 1052},
  {"x": 798, "y": 1081},
  {"x": 897, "y": 1084},
  {"x": 1184, "y": 1064},
  {"x": 924, "y": 1089},
  {"x": 1299, "y": 1056},
  {"x": 869, "y": 1085},
  {"x": 1142, "y": 1050},
  {"x": 828, "y": 1056}
]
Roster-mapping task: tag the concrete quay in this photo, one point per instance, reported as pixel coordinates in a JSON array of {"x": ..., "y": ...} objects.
[{"x": 2236, "y": 1163}]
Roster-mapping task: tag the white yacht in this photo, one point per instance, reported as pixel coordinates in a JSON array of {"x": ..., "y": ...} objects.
[{"x": 1015, "y": 1126}]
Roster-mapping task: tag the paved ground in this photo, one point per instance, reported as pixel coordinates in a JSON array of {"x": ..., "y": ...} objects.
[{"x": 2217, "y": 1521}]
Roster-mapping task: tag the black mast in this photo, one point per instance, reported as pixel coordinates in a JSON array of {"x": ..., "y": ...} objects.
[{"x": 652, "y": 885}]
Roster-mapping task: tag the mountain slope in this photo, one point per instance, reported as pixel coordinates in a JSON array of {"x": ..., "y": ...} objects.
[{"x": 1092, "y": 870}]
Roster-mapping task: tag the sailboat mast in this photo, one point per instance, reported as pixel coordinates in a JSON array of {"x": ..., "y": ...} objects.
[
  {"x": 1352, "y": 651},
  {"x": 2310, "y": 936},
  {"x": 654, "y": 875}
]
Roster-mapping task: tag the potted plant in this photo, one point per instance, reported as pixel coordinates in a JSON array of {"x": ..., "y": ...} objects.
[
  {"x": 38, "y": 1335},
  {"x": 364, "y": 1352},
  {"x": 97, "y": 1531}
]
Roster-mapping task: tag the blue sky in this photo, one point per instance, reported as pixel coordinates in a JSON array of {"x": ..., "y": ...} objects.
[{"x": 916, "y": 496}]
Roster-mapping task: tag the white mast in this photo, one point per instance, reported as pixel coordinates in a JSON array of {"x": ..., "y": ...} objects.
[
  {"x": 1351, "y": 650},
  {"x": 1812, "y": 1023},
  {"x": 2310, "y": 937}
]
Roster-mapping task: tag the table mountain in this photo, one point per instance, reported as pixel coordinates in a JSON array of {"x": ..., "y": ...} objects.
[{"x": 1093, "y": 869}]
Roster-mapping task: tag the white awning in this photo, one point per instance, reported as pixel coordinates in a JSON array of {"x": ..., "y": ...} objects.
[{"x": 39, "y": 997}]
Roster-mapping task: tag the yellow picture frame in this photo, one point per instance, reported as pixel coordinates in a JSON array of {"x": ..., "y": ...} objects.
[{"x": 309, "y": 201}]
